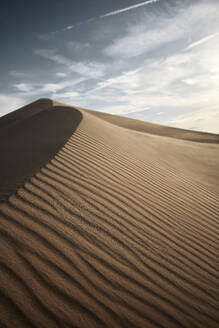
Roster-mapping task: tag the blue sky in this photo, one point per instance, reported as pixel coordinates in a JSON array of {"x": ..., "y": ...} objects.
[{"x": 155, "y": 60}]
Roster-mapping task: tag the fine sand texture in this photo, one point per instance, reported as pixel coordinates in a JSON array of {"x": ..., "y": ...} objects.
[{"x": 106, "y": 221}]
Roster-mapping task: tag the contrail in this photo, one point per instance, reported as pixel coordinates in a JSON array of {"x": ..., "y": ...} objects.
[
  {"x": 116, "y": 12},
  {"x": 70, "y": 27},
  {"x": 204, "y": 40}
]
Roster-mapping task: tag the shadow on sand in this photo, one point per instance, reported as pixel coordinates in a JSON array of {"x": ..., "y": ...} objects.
[{"x": 29, "y": 138}]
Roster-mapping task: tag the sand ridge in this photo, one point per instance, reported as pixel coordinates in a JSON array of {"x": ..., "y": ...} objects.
[
  {"x": 117, "y": 227},
  {"x": 30, "y": 138}
]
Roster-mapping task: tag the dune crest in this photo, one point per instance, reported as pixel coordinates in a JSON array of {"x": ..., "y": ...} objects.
[
  {"x": 106, "y": 221},
  {"x": 30, "y": 138}
]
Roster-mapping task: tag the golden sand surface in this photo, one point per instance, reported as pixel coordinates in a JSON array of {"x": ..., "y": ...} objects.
[{"x": 106, "y": 221}]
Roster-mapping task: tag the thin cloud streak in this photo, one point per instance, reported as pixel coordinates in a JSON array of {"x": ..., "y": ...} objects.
[
  {"x": 204, "y": 40},
  {"x": 116, "y": 12},
  {"x": 112, "y": 13},
  {"x": 70, "y": 27}
]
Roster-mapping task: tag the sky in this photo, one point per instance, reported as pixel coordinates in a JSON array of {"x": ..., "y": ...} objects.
[{"x": 155, "y": 60}]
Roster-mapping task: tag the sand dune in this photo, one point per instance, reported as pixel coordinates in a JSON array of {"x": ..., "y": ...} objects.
[{"x": 106, "y": 221}]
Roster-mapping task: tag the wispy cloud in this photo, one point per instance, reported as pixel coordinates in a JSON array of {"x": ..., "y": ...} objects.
[
  {"x": 182, "y": 82},
  {"x": 24, "y": 87},
  {"x": 68, "y": 95},
  {"x": 52, "y": 55},
  {"x": 88, "y": 69},
  {"x": 77, "y": 47},
  {"x": 201, "y": 41},
  {"x": 37, "y": 89},
  {"x": 61, "y": 74},
  {"x": 16, "y": 74},
  {"x": 141, "y": 38},
  {"x": 67, "y": 28},
  {"x": 119, "y": 11}
]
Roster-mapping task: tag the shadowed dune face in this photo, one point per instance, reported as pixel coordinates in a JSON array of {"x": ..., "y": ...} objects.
[
  {"x": 118, "y": 228},
  {"x": 30, "y": 138}
]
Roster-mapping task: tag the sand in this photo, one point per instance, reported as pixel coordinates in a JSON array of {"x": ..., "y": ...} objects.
[{"x": 106, "y": 221}]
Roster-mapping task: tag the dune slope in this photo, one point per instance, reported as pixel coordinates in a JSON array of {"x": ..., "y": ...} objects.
[
  {"x": 30, "y": 138},
  {"x": 106, "y": 221}
]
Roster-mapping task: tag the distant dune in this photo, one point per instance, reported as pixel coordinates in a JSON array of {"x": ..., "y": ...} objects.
[{"x": 106, "y": 221}]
